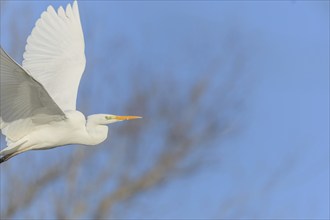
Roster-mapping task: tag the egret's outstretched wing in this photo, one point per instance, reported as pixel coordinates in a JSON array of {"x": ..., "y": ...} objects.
[
  {"x": 22, "y": 98},
  {"x": 54, "y": 54}
]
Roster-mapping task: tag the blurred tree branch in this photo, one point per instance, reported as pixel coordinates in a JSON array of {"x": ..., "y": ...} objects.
[
  {"x": 182, "y": 122},
  {"x": 24, "y": 198}
]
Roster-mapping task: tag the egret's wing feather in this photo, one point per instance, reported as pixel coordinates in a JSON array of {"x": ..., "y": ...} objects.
[
  {"x": 54, "y": 54},
  {"x": 23, "y": 99}
]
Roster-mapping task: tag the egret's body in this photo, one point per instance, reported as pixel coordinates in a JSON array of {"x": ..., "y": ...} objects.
[
  {"x": 72, "y": 130},
  {"x": 38, "y": 99}
]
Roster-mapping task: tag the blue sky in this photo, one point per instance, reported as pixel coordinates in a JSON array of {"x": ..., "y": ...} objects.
[{"x": 278, "y": 167}]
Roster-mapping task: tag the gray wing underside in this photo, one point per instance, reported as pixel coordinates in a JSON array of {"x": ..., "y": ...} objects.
[{"x": 22, "y": 97}]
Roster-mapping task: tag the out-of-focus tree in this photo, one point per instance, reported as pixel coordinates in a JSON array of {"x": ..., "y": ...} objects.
[{"x": 183, "y": 123}]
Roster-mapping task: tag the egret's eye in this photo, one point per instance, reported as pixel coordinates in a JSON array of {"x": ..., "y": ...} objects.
[{"x": 108, "y": 117}]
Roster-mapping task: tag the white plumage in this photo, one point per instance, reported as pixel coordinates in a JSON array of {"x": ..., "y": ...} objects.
[
  {"x": 54, "y": 54},
  {"x": 38, "y": 99}
]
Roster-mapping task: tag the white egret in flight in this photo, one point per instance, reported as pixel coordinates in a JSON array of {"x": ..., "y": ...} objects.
[{"x": 38, "y": 99}]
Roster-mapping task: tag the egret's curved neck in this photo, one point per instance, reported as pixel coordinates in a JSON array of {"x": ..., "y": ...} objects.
[{"x": 97, "y": 133}]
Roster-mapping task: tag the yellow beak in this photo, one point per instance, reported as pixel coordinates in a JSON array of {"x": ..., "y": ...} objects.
[{"x": 126, "y": 117}]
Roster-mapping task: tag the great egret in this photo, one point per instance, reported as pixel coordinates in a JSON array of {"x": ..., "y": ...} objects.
[{"x": 38, "y": 99}]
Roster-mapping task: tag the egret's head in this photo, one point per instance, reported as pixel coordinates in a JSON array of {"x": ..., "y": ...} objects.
[{"x": 115, "y": 118}]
